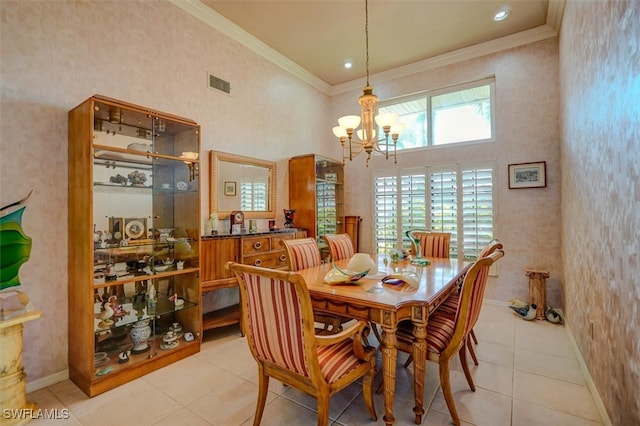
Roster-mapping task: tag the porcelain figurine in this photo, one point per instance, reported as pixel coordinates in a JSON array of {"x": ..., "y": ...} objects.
[
  {"x": 118, "y": 310},
  {"x": 140, "y": 333},
  {"x": 124, "y": 357}
]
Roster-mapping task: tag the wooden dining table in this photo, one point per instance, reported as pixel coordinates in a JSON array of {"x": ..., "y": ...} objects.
[{"x": 370, "y": 300}]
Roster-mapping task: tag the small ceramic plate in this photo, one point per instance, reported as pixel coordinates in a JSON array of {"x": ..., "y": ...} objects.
[
  {"x": 171, "y": 345},
  {"x": 162, "y": 268}
]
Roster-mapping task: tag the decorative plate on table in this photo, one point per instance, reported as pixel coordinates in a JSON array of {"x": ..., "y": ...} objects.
[
  {"x": 340, "y": 276},
  {"x": 182, "y": 185}
]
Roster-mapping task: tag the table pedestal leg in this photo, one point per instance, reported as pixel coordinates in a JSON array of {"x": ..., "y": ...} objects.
[
  {"x": 419, "y": 365},
  {"x": 389, "y": 358}
]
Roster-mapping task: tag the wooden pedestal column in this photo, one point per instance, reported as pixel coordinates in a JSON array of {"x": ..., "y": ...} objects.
[
  {"x": 13, "y": 382},
  {"x": 538, "y": 290}
]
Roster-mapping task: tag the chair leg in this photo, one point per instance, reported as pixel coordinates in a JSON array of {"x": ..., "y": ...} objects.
[
  {"x": 376, "y": 333},
  {"x": 473, "y": 336},
  {"x": 446, "y": 390},
  {"x": 323, "y": 408},
  {"x": 263, "y": 391},
  {"x": 465, "y": 367},
  {"x": 367, "y": 392},
  {"x": 472, "y": 351},
  {"x": 408, "y": 361}
]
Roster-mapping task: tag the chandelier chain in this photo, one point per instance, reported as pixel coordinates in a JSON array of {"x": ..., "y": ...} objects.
[{"x": 366, "y": 34}]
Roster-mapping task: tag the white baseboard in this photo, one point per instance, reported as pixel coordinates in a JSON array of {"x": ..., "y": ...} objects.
[
  {"x": 583, "y": 366},
  {"x": 590, "y": 384},
  {"x": 47, "y": 381}
]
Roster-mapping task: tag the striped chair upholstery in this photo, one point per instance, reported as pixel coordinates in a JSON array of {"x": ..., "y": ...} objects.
[
  {"x": 278, "y": 322},
  {"x": 340, "y": 246},
  {"x": 446, "y": 336},
  {"x": 435, "y": 244},
  {"x": 303, "y": 253},
  {"x": 450, "y": 305}
]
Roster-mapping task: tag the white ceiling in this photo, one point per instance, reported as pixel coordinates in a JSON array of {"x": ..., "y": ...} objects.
[{"x": 313, "y": 38}]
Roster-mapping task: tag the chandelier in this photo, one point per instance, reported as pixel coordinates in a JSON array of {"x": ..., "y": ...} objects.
[{"x": 368, "y": 141}]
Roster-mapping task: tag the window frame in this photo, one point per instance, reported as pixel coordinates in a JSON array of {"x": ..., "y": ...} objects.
[{"x": 429, "y": 94}]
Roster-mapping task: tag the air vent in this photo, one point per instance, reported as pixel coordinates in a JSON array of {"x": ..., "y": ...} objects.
[{"x": 219, "y": 84}]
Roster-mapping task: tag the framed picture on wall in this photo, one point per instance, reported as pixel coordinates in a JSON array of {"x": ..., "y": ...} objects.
[
  {"x": 528, "y": 175},
  {"x": 230, "y": 188}
]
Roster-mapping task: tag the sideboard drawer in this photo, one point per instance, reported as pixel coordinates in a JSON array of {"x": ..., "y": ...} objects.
[
  {"x": 255, "y": 245},
  {"x": 262, "y": 260},
  {"x": 282, "y": 261},
  {"x": 276, "y": 241}
]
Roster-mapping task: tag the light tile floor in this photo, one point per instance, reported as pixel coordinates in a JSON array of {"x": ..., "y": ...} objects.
[{"x": 528, "y": 375}]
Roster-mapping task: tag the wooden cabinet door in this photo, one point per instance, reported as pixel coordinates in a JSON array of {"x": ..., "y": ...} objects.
[{"x": 216, "y": 252}]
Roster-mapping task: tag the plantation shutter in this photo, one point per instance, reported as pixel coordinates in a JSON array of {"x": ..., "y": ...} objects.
[
  {"x": 444, "y": 205},
  {"x": 477, "y": 210},
  {"x": 385, "y": 213}
]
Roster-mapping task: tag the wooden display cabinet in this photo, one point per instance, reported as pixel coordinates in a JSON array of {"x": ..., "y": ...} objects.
[
  {"x": 316, "y": 193},
  {"x": 134, "y": 245}
]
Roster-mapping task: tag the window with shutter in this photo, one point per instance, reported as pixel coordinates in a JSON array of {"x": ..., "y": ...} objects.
[{"x": 459, "y": 199}]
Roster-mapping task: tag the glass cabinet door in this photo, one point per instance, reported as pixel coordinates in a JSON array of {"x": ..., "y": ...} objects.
[
  {"x": 329, "y": 197},
  {"x": 146, "y": 234}
]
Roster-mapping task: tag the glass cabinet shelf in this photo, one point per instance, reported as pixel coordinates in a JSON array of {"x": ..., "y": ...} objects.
[{"x": 137, "y": 308}]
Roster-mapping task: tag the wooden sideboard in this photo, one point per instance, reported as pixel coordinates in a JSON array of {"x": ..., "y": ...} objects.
[{"x": 261, "y": 249}]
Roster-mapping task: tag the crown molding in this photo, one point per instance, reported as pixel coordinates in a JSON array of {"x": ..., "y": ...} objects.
[
  {"x": 554, "y": 14},
  {"x": 514, "y": 40},
  {"x": 222, "y": 24}
]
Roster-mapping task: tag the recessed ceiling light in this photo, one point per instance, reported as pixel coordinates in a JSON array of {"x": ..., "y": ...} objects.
[
  {"x": 502, "y": 15},
  {"x": 348, "y": 65}
]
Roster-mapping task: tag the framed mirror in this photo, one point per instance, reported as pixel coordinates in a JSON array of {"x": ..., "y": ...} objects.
[{"x": 241, "y": 183}]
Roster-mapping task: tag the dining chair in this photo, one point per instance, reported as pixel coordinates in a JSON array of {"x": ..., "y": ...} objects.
[
  {"x": 450, "y": 305},
  {"x": 279, "y": 325},
  {"x": 433, "y": 244},
  {"x": 340, "y": 246},
  {"x": 304, "y": 253},
  {"x": 446, "y": 336}
]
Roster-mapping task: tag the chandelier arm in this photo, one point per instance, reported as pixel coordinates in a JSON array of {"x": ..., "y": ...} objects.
[{"x": 350, "y": 149}]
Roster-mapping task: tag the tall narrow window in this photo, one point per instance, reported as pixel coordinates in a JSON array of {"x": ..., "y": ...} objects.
[
  {"x": 386, "y": 213},
  {"x": 477, "y": 210},
  {"x": 444, "y": 205}
]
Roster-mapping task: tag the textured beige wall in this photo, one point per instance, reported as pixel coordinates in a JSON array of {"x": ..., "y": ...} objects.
[
  {"x": 55, "y": 54},
  {"x": 527, "y": 129},
  {"x": 600, "y": 107}
]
